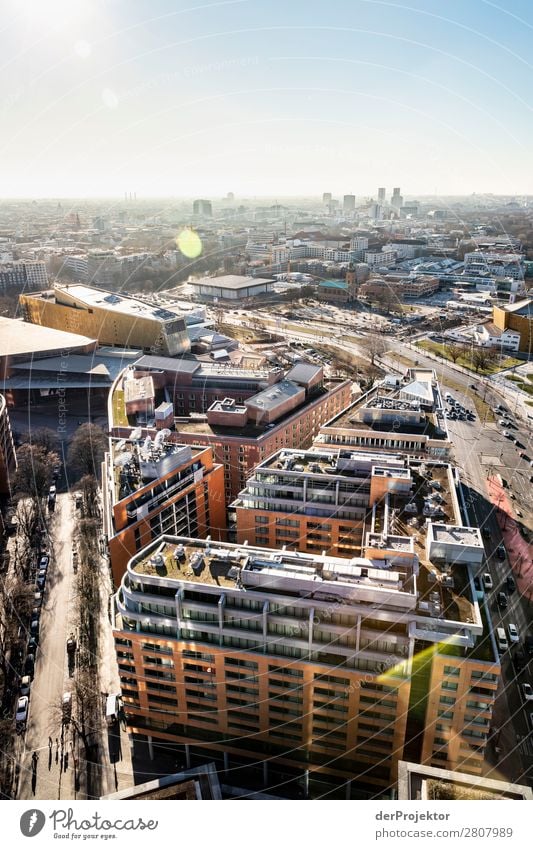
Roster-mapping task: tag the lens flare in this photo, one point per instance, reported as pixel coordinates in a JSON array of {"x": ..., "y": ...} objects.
[{"x": 189, "y": 243}]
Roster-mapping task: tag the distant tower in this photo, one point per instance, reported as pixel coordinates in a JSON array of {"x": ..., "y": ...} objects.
[
  {"x": 396, "y": 199},
  {"x": 351, "y": 277},
  {"x": 326, "y": 197},
  {"x": 202, "y": 207},
  {"x": 381, "y": 196},
  {"x": 351, "y": 281},
  {"x": 348, "y": 203},
  {"x": 230, "y": 196}
]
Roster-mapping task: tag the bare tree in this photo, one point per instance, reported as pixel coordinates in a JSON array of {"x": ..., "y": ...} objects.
[
  {"x": 455, "y": 351},
  {"x": 35, "y": 466},
  {"x": 482, "y": 357},
  {"x": 86, "y": 451},
  {"x": 88, "y": 486},
  {"x": 373, "y": 345}
]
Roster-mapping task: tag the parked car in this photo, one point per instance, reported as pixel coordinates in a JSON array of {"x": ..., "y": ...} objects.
[
  {"x": 25, "y": 684},
  {"x": 527, "y": 692},
  {"x": 66, "y": 706},
  {"x": 488, "y": 583},
  {"x": 37, "y": 600},
  {"x": 486, "y": 532},
  {"x": 500, "y": 552},
  {"x": 34, "y": 627},
  {"x": 519, "y": 660},
  {"x": 21, "y": 714},
  {"x": 508, "y": 434},
  {"x": 33, "y": 643},
  {"x": 29, "y": 665},
  {"x": 511, "y": 586},
  {"x": 502, "y": 601},
  {"x": 44, "y": 561},
  {"x": 512, "y": 630}
]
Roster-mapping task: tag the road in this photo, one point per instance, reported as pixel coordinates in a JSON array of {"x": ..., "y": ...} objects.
[
  {"x": 53, "y": 774},
  {"x": 51, "y": 673}
]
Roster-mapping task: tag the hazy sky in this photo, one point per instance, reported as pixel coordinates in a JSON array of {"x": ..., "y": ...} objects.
[{"x": 180, "y": 97}]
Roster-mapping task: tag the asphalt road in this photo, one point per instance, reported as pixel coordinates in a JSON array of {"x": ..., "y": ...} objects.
[{"x": 51, "y": 672}]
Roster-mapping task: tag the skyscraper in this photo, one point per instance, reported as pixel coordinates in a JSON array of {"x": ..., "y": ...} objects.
[
  {"x": 381, "y": 196},
  {"x": 397, "y": 199},
  {"x": 202, "y": 207},
  {"x": 348, "y": 203}
]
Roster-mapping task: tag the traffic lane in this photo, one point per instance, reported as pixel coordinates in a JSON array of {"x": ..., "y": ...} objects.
[{"x": 51, "y": 672}]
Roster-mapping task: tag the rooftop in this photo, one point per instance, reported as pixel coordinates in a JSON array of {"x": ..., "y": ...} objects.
[
  {"x": 231, "y": 281},
  {"x": 100, "y": 298},
  {"x": 138, "y": 462},
  {"x": 438, "y": 602},
  {"x": 524, "y": 307},
  {"x": 20, "y": 337}
]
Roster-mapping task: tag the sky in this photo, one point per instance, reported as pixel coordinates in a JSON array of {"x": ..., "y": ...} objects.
[{"x": 265, "y": 97}]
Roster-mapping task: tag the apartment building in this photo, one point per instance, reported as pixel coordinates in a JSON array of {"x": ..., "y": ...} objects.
[
  {"x": 31, "y": 275},
  {"x": 152, "y": 487},
  {"x": 8, "y": 459},
  {"x": 400, "y": 414},
  {"x": 377, "y": 259},
  {"x": 112, "y": 319},
  {"x": 495, "y": 263},
  {"x": 306, "y": 670},
  {"x": 329, "y": 501},
  {"x": 243, "y": 414}
]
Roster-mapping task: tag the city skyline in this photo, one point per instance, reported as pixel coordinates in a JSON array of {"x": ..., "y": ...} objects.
[{"x": 234, "y": 96}]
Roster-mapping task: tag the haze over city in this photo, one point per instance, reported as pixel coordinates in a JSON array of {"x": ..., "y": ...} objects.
[{"x": 183, "y": 99}]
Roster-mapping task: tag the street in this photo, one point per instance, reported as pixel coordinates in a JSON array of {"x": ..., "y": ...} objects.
[
  {"x": 50, "y": 754},
  {"x": 44, "y": 779}
]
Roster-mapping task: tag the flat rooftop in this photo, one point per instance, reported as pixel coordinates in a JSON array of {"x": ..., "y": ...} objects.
[
  {"x": 231, "y": 281},
  {"x": 225, "y": 564},
  {"x": 250, "y": 429},
  {"x": 137, "y": 463},
  {"x": 114, "y": 302},
  {"x": 459, "y": 535},
  {"x": 388, "y": 399},
  {"x": 432, "y": 597}
]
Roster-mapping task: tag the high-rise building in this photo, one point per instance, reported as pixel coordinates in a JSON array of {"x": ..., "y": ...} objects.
[
  {"x": 308, "y": 668},
  {"x": 245, "y": 414},
  {"x": 111, "y": 318},
  {"x": 152, "y": 487},
  {"x": 348, "y": 203},
  {"x": 396, "y": 199},
  {"x": 326, "y": 197},
  {"x": 8, "y": 459},
  {"x": 30, "y": 275},
  {"x": 382, "y": 193},
  {"x": 103, "y": 268},
  {"x": 202, "y": 207}
]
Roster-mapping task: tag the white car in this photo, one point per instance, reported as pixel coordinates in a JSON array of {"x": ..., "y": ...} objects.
[
  {"x": 22, "y": 709},
  {"x": 512, "y": 630},
  {"x": 66, "y": 706},
  {"x": 487, "y": 581},
  {"x": 527, "y": 692}
]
